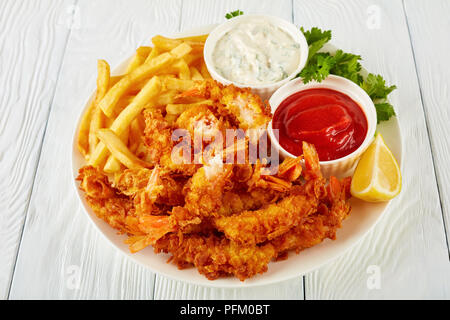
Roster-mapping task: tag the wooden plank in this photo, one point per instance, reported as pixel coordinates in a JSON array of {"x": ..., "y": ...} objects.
[
  {"x": 408, "y": 245},
  {"x": 427, "y": 25},
  {"x": 33, "y": 36},
  {"x": 59, "y": 244},
  {"x": 194, "y": 14}
]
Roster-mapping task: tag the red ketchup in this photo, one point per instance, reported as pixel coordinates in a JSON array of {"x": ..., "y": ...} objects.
[{"x": 329, "y": 119}]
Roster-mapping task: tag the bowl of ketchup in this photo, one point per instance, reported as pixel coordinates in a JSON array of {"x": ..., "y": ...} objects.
[{"x": 335, "y": 115}]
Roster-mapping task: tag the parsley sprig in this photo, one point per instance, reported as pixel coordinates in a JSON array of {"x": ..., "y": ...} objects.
[
  {"x": 233, "y": 14},
  {"x": 347, "y": 65}
]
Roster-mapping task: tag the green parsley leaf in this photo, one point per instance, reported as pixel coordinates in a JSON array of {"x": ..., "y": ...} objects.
[
  {"x": 318, "y": 67},
  {"x": 316, "y": 34},
  {"x": 321, "y": 64},
  {"x": 316, "y": 39},
  {"x": 384, "y": 111},
  {"x": 376, "y": 88},
  {"x": 347, "y": 65},
  {"x": 233, "y": 14}
]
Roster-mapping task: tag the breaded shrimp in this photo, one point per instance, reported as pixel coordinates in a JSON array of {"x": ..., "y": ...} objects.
[
  {"x": 246, "y": 109},
  {"x": 216, "y": 256},
  {"x": 252, "y": 227}
]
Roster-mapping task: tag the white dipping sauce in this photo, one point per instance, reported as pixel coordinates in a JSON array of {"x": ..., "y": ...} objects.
[{"x": 256, "y": 52}]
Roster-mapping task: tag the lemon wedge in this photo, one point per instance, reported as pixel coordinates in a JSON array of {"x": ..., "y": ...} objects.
[{"x": 377, "y": 176}]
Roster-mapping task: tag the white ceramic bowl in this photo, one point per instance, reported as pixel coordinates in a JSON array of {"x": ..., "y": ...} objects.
[
  {"x": 342, "y": 166},
  {"x": 266, "y": 90}
]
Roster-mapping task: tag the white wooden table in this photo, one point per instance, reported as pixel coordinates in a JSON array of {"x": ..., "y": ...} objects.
[{"x": 48, "y": 52}]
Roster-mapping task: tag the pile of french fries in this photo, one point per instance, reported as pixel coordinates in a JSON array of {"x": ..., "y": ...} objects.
[{"x": 111, "y": 129}]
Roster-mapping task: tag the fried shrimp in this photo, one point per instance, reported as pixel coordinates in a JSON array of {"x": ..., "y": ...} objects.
[
  {"x": 320, "y": 225},
  {"x": 246, "y": 109},
  {"x": 252, "y": 227},
  {"x": 226, "y": 218},
  {"x": 215, "y": 256}
]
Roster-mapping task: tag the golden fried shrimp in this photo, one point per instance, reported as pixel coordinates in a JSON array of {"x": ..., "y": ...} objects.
[
  {"x": 320, "y": 225},
  {"x": 253, "y": 227},
  {"x": 158, "y": 139},
  {"x": 312, "y": 163},
  {"x": 94, "y": 183},
  {"x": 245, "y": 108},
  {"x": 132, "y": 181},
  {"x": 157, "y": 135},
  {"x": 154, "y": 228},
  {"x": 200, "y": 121},
  {"x": 215, "y": 256},
  {"x": 290, "y": 169},
  {"x": 113, "y": 211},
  {"x": 106, "y": 203},
  {"x": 204, "y": 190},
  {"x": 258, "y": 180},
  {"x": 234, "y": 202}
]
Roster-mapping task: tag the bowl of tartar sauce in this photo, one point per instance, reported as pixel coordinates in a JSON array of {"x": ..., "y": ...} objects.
[{"x": 256, "y": 51}]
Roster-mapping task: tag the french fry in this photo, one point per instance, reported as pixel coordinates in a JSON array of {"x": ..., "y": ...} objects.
[
  {"x": 112, "y": 164},
  {"x": 164, "y": 98},
  {"x": 84, "y": 140},
  {"x": 181, "y": 51},
  {"x": 155, "y": 52},
  {"x": 122, "y": 104},
  {"x": 134, "y": 138},
  {"x": 114, "y": 79},
  {"x": 195, "y": 74},
  {"x": 110, "y": 100},
  {"x": 151, "y": 89},
  {"x": 83, "y": 131},
  {"x": 139, "y": 58},
  {"x": 193, "y": 58},
  {"x": 171, "y": 83},
  {"x": 183, "y": 69},
  {"x": 97, "y": 122},
  {"x": 167, "y": 44},
  {"x": 98, "y": 117},
  {"x": 119, "y": 150},
  {"x": 179, "y": 108},
  {"x": 144, "y": 51},
  {"x": 103, "y": 78},
  {"x": 146, "y": 70}
]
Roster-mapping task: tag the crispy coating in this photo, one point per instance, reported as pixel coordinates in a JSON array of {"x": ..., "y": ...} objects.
[
  {"x": 215, "y": 256},
  {"x": 106, "y": 203},
  {"x": 246, "y": 109},
  {"x": 253, "y": 227},
  {"x": 131, "y": 181},
  {"x": 272, "y": 220},
  {"x": 158, "y": 139},
  {"x": 205, "y": 189},
  {"x": 322, "y": 224}
]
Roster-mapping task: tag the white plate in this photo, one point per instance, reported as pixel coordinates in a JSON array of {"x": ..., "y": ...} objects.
[{"x": 363, "y": 217}]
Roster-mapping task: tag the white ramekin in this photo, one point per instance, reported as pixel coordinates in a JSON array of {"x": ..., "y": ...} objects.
[
  {"x": 265, "y": 91},
  {"x": 342, "y": 166}
]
